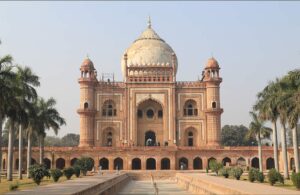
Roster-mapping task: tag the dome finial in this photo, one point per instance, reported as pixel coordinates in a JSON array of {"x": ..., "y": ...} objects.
[
  {"x": 149, "y": 22},
  {"x": 87, "y": 56}
]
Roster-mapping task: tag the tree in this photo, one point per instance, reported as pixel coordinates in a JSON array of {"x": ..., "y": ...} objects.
[
  {"x": 7, "y": 77},
  {"x": 257, "y": 129},
  {"x": 71, "y": 139},
  {"x": 290, "y": 85},
  {"x": 85, "y": 164},
  {"x": 28, "y": 82},
  {"x": 234, "y": 135},
  {"x": 52, "y": 141},
  {"x": 24, "y": 94},
  {"x": 267, "y": 108},
  {"x": 48, "y": 118},
  {"x": 215, "y": 166}
]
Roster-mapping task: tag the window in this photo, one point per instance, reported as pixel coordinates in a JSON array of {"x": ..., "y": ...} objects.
[
  {"x": 190, "y": 139},
  {"x": 109, "y": 109},
  {"x": 160, "y": 114},
  {"x": 214, "y": 105},
  {"x": 190, "y": 108},
  {"x": 109, "y": 139},
  {"x": 140, "y": 114},
  {"x": 85, "y": 105},
  {"x": 150, "y": 113}
]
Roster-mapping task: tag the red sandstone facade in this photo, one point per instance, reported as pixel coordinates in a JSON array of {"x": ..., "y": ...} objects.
[{"x": 151, "y": 120}]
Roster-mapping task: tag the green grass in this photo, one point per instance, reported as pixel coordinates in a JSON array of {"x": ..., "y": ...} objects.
[
  {"x": 288, "y": 184},
  {"x": 26, "y": 183}
]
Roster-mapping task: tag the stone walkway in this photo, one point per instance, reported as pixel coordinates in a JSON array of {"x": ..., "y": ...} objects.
[
  {"x": 67, "y": 187},
  {"x": 146, "y": 187},
  {"x": 243, "y": 187}
]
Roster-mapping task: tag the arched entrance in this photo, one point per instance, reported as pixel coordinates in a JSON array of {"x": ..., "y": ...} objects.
[
  {"x": 226, "y": 161},
  {"x": 3, "y": 164},
  {"x": 93, "y": 163},
  {"x": 210, "y": 160},
  {"x": 292, "y": 163},
  {"x": 241, "y": 162},
  {"x": 104, "y": 163},
  {"x": 183, "y": 163},
  {"x": 270, "y": 163},
  {"x": 150, "y": 138},
  {"x": 165, "y": 164},
  {"x": 151, "y": 164},
  {"x": 33, "y": 161},
  {"x": 190, "y": 137},
  {"x": 73, "y": 161},
  {"x": 47, "y": 163},
  {"x": 17, "y": 164},
  {"x": 197, "y": 163},
  {"x": 60, "y": 163},
  {"x": 109, "y": 137},
  {"x": 136, "y": 164},
  {"x": 118, "y": 163},
  {"x": 255, "y": 163},
  {"x": 150, "y": 123}
]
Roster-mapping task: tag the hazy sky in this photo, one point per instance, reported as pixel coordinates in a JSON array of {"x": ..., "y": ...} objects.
[{"x": 254, "y": 42}]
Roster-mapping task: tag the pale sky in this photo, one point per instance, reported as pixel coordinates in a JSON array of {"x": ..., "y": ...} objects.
[{"x": 254, "y": 42}]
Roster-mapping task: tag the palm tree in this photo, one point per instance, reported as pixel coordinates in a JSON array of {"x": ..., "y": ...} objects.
[
  {"x": 291, "y": 97},
  {"x": 283, "y": 119},
  {"x": 48, "y": 118},
  {"x": 257, "y": 129},
  {"x": 6, "y": 77},
  {"x": 24, "y": 94},
  {"x": 30, "y": 132},
  {"x": 267, "y": 107},
  {"x": 28, "y": 80}
]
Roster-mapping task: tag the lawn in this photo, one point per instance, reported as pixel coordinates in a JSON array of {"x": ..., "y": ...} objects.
[
  {"x": 26, "y": 183},
  {"x": 287, "y": 183}
]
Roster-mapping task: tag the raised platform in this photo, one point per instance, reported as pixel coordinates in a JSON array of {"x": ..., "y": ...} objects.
[{"x": 163, "y": 182}]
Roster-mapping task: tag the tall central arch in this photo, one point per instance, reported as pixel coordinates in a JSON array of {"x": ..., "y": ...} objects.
[{"x": 150, "y": 123}]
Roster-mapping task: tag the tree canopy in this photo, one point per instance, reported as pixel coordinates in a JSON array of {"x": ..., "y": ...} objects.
[{"x": 235, "y": 135}]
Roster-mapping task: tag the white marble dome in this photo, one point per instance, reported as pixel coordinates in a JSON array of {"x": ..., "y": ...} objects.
[{"x": 149, "y": 50}]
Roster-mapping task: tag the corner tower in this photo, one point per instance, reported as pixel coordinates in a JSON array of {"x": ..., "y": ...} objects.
[
  {"x": 213, "y": 109},
  {"x": 87, "y": 111}
]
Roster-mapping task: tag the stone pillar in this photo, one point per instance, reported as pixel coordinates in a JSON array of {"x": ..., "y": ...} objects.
[
  {"x": 158, "y": 165},
  {"x": 129, "y": 164},
  {"x": 173, "y": 163},
  {"x": 204, "y": 162},
  {"x": 190, "y": 163},
  {"x": 111, "y": 163},
  {"x": 143, "y": 163},
  {"x": 67, "y": 162}
]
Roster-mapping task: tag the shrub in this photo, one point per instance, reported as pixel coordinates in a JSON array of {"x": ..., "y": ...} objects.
[
  {"x": 68, "y": 172},
  {"x": 236, "y": 172},
  {"x": 274, "y": 176},
  {"x": 13, "y": 187},
  {"x": 260, "y": 177},
  {"x": 85, "y": 164},
  {"x": 296, "y": 180},
  {"x": 37, "y": 173},
  {"x": 215, "y": 166},
  {"x": 252, "y": 174},
  {"x": 56, "y": 174},
  {"x": 76, "y": 169},
  {"x": 279, "y": 178},
  {"x": 225, "y": 172}
]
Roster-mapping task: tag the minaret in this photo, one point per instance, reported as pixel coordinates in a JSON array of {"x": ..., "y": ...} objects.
[
  {"x": 87, "y": 110},
  {"x": 213, "y": 109}
]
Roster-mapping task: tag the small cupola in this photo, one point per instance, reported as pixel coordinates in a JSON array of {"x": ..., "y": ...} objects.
[
  {"x": 87, "y": 68},
  {"x": 212, "y": 68}
]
